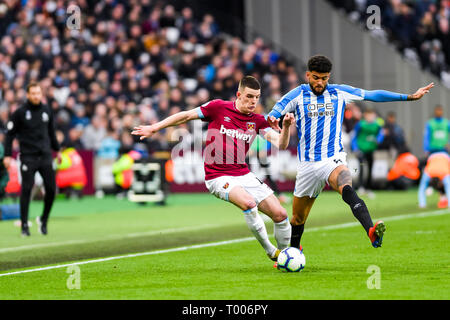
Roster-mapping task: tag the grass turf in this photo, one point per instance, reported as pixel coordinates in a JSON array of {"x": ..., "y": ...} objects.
[{"x": 413, "y": 262}]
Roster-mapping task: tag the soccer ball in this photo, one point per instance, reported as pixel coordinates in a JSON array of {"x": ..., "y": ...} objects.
[{"x": 291, "y": 260}]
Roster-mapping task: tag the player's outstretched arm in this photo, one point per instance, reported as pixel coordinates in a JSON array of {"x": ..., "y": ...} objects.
[
  {"x": 388, "y": 96},
  {"x": 173, "y": 120},
  {"x": 281, "y": 140}
]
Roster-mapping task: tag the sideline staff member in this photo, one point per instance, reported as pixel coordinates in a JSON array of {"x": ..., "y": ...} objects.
[{"x": 33, "y": 125}]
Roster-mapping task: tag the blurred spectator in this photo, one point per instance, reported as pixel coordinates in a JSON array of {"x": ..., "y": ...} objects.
[
  {"x": 394, "y": 137},
  {"x": 74, "y": 138},
  {"x": 109, "y": 146},
  {"x": 436, "y": 173},
  {"x": 80, "y": 118},
  {"x": 94, "y": 133},
  {"x": 367, "y": 134},
  {"x": 352, "y": 116},
  {"x": 404, "y": 171},
  {"x": 417, "y": 28},
  {"x": 130, "y": 61},
  {"x": 436, "y": 136},
  {"x": 274, "y": 93},
  {"x": 70, "y": 172},
  {"x": 123, "y": 173},
  {"x": 4, "y": 176},
  {"x": 168, "y": 17}
]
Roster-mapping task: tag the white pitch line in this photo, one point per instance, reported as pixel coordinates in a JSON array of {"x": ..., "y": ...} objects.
[
  {"x": 220, "y": 243},
  {"x": 205, "y": 226},
  {"x": 110, "y": 237},
  {"x": 212, "y": 244}
]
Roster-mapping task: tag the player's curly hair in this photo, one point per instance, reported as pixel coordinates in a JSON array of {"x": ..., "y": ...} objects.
[{"x": 320, "y": 64}]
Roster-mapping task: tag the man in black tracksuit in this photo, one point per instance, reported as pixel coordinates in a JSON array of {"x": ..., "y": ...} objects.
[{"x": 33, "y": 126}]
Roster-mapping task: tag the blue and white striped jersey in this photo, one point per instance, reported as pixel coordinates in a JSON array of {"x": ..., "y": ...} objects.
[{"x": 319, "y": 118}]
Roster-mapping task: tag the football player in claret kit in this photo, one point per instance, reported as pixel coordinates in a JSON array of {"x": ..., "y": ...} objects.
[
  {"x": 231, "y": 130},
  {"x": 318, "y": 109}
]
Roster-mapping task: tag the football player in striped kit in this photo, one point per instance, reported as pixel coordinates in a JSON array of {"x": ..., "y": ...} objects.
[{"x": 319, "y": 108}]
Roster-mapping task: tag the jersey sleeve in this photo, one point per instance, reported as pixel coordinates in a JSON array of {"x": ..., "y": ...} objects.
[
  {"x": 384, "y": 96},
  {"x": 350, "y": 93},
  {"x": 262, "y": 125},
  {"x": 209, "y": 110},
  {"x": 354, "y": 94},
  {"x": 286, "y": 104}
]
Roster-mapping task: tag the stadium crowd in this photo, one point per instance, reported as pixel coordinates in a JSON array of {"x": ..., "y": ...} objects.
[
  {"x": 131, "y": 62},
  {"x": 419, "y": 29}
]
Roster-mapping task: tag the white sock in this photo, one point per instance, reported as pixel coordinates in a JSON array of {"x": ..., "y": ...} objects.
[
  {"x": 282, "y": 232},
  {"x": 256, "y": 225}
]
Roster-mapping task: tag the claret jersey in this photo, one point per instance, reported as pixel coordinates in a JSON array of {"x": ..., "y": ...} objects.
[{"x": 230, "y": 135}]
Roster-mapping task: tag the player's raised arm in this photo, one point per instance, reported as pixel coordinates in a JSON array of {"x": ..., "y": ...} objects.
[
  {"x": 173, "y": 120},
  {"x": 281, "y": 140}
]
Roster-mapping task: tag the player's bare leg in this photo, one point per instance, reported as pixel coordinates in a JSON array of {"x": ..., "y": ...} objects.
[
  {"x": 341, "y": 181},
  {"x": 281, "y": 227},
  {"x": 301, "y": 207},
  {"x": 242, "y": 199}
]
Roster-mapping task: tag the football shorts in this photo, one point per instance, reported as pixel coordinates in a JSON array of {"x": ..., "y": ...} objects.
[
  {"x": 312, "y": 175},
  {"x": 221, "y": 186}
]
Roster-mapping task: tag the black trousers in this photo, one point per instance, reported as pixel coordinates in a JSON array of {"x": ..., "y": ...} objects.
[
  {"x": 368, "y": 159},
  {"x": 272, "y": 184},
  {"x": 28, "y": 168}
]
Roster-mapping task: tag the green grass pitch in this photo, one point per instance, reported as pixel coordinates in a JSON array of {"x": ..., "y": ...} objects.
[{"x": 340, "y": 262}]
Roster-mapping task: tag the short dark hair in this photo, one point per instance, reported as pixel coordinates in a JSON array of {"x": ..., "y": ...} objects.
[
  {"x": 370, "y": 110},
  {"x": 391, "y": 114},
  {"x": 320, "y": 64},
  {"x": 32, "y": 85},
  {"x": 250, "y": 82}
]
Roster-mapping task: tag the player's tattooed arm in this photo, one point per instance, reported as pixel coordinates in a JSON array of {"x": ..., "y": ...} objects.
[
  {"x": 420, "y": 92},
  {"x": 344, "y": 178}
]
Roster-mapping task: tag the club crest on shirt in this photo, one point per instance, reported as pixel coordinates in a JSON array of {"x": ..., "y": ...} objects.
[
  {"x": 28, "y": 115},
  {"x": 226, "y": 186},
  {"x": 251, "y": 126},
  {"x": 45, "y": 117},
  {"x": 227, "y": 119}
]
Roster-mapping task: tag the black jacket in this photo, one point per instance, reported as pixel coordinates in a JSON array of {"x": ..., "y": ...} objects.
[{"x": 33, "y": 125}]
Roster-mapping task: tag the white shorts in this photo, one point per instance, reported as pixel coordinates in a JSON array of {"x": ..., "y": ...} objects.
[
  {"x": 312, "y": 175},
  {"x": 221, "y": 186}
]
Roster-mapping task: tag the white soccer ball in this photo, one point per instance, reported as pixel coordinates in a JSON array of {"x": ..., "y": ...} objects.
[{"x": 291, "y": 260}]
